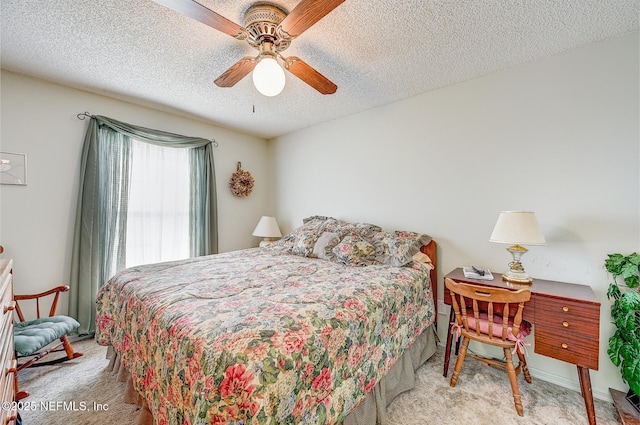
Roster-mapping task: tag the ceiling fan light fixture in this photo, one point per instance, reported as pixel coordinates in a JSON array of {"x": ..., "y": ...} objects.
[{"x": 268, "y": 76}]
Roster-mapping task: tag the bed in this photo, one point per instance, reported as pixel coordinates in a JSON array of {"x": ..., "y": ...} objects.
[{"x": 325, "y": 326}]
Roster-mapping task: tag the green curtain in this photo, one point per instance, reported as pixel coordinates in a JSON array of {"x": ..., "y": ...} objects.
[{"x": 99, "y": 240}]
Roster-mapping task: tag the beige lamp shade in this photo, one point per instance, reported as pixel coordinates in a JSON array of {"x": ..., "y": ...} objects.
[
  {"x": 517, "y": 227},
  {"x": 267, "y": 228}
]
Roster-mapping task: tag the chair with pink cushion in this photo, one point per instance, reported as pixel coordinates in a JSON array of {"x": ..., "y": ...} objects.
[{"x": 491, "y": 316}]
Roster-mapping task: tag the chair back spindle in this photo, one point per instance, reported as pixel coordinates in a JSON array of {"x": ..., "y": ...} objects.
[{"x": 19, "y": 312}]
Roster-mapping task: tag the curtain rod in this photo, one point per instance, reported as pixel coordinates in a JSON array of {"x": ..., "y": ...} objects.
[{"x": 85, "y": 114}]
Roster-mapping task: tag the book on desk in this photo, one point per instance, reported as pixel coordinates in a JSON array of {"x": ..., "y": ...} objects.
[{"x": 473, "y": 272}]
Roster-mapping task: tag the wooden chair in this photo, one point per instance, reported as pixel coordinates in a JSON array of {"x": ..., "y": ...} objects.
[
  {"x": 491, "y": 316},
  {"x": 34, "y": 339}
]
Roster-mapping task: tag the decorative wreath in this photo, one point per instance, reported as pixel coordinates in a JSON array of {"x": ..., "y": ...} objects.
[{"x": 241, "y": 182}]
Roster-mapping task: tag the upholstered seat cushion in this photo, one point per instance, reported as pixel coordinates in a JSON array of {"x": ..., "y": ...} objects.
[
  {"x": 32, "y": 335},
  {"x": 525, "y": 327}
]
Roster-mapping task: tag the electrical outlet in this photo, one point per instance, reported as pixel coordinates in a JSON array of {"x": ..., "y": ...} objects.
[{"x": 442, "y": 307}]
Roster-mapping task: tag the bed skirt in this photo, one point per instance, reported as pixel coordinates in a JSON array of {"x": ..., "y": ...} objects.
[{"x": 372, "y": 410}]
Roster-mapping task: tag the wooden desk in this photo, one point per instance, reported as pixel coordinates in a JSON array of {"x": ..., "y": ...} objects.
[{"x": 566, "y": 320}]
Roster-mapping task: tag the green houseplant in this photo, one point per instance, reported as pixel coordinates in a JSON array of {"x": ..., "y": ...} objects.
[{"x": 624, "y": 345}]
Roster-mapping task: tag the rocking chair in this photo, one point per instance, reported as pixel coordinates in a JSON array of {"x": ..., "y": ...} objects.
[{"x": 34, "y": 339}]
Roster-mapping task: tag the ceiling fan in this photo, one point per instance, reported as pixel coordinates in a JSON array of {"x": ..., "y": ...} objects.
[{"x": 270, "y": 30}]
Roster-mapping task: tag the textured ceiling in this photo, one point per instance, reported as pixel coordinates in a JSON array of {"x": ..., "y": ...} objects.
[{"x": 376, "y": 51}]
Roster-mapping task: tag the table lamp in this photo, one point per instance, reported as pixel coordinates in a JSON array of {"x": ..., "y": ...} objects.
[
  {"x": 268, "y": 229},
  {"x": 517, "y": 228}
]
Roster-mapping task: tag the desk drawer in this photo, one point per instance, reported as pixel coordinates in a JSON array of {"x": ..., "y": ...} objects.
[
  {"x": 568, "y": 317},
  {"x": 7, "y": 360},
  {"x": 6, "y": 356},
  {"x": 9, "y": 394},
  {"x": 7, "y": 304},
  {"x": 567, "y": 347}
]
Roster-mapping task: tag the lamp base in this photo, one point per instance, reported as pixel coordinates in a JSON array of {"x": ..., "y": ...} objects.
[
  {"x": 516, "y": 272},
  {"x": 266, "y": 242},
  {"x": 521, "y": 278}
]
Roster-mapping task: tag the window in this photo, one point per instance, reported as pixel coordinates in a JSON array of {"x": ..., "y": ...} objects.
[{"x": 158, "y": 206}]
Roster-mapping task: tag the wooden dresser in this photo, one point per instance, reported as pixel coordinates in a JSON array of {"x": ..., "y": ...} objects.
[{"x": 9, "y": 377}]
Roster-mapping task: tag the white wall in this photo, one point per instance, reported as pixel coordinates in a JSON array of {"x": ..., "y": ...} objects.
[
  {"x": 559, "y": 136},
  {"x": 39, "y": 119}
]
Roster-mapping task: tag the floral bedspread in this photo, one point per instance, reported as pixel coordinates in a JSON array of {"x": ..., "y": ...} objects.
[{"x": 260, "y": 336}]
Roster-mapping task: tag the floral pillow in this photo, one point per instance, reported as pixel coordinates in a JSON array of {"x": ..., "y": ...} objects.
[
  {"x": 303, "y": 239},
  {"x": 354, "y": 250},
  {"x": 398, "y": 248},
  {"x": 317, "y": 218},
  {"x": 352, "y": 243},
  {"x": 323, "y": 247},
  {"x": 365, "y": 230}
]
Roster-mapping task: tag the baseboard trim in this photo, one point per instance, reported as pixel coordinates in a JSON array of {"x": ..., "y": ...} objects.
[{"x": 569, "y": 383}]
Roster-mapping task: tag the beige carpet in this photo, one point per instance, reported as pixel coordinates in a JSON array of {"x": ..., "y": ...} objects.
[{"x": 81, "y": 392}]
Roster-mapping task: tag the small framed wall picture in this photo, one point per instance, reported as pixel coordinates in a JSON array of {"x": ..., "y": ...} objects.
[{"x": 13, "y": 168}]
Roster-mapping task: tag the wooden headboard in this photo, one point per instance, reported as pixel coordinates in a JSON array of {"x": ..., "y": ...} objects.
[{"x": 431, "y": 249}]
